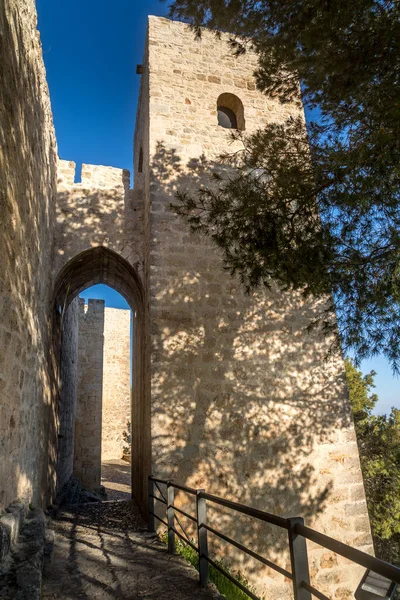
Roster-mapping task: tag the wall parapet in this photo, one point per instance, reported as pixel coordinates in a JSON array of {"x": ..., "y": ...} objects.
[{"x": 93, "y": 176}]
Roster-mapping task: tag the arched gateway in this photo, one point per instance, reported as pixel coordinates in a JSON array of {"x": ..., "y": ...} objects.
[
  {"x": 101, "y": 265},
  {"x": 241, "y": 401}
]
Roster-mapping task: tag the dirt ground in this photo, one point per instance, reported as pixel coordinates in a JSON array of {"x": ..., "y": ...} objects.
[
  {"x": 104, "y": 551},
  {"x": 116, "y": 478}
]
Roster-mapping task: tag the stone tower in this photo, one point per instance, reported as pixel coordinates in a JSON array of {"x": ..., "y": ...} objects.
[
  {"x": 229, "y": 393},
  {"x": 243, "y": 402},
  {"x": 103, "y": 388}
]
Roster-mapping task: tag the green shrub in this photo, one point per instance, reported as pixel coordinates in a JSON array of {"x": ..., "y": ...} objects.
[{"x": 223, "y": 585}]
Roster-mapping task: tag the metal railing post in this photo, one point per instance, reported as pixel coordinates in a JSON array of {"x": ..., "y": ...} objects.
[
  {"x": 299, "y": 560},
  {"x": 171, "y": 517},
  {"x": 151, "y": 504},
  {"x": 202, "y": 542}
]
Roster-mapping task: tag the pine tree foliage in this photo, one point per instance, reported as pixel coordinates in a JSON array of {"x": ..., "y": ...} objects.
[
  {"x": 316, "y": 210},
  {"x": 378, "y": 439}
]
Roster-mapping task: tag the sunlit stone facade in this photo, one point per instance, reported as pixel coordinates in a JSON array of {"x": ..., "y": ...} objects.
[
  {"x": 229, "y": 392},
  {"x": 244, "y": 402}
]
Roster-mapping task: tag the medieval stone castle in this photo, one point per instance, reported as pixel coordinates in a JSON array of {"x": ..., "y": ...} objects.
[{"x": 229, "y": 393}]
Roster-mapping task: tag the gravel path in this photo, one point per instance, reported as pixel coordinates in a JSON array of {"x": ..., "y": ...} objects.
[{"x": 104, "y": 551}]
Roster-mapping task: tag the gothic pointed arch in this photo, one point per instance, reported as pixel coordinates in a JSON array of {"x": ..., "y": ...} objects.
[{"x": 102, "y": 265}]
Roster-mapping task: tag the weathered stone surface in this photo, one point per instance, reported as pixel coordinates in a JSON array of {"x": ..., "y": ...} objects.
[
  {"x": 344, "y": 594},
  {"x": 29, "y": 579},
  {"x": 73, "y": 493},
  {"x": 5, "y": 541},
  {"x": 88, "y": 421},
  {"x": 11, "y": 522},
  {"x": 68, "y": 393},
  {"x": 106, "y": 244},
  {"x": 28, "y": 158},
  {"x": 34, "y": 525},
  {"x": 116, "y": 407},
  {"x": 23, "y": 577},
  {"x": 104, "y": 389},
  {"x": 10, "y": 525},
  {"x": 48, "y": 543},
  {"x": 244, "y": 403}
]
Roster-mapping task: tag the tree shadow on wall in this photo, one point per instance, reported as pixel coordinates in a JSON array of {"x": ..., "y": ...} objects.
[
  {"x": 93, "y": 218},
  {"x": 90, "y": 217},
  {"x": 244, "y": 402},
  {"x": 28, "y": 383}
]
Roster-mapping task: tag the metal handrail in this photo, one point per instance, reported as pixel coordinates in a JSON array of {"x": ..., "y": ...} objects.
[
  {"x": 298, "y": 533},
  {"x": 159, "y": 499},
  {"x": 314, "y": 591},
  {"x": 263, "y": 560},
  {"x": 248, "y": 510},
  {"x": 157, "y": 480},
  {"x": 161, "y": 494},
  {"x": 184, "y": 488},
  {"x": 187, "y": 541},
  {"x": 157, "y": 517},
  {"x": 185, "y": 514},
  {"x": 362, "y": 558},
  {"x": 180, "y": 524},
  {"x": 178, "y": 486}
]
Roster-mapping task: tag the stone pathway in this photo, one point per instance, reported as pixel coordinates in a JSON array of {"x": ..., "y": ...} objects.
[
  {"x": 116, "y": 478},
  {"x": 104, "y": 551}
]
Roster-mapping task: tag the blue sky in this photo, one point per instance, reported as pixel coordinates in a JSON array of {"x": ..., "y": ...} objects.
[
  {"x": 103, "y": 292},
  {"x": 91, "y": 52},
  {"x": 91, "y": 49}
]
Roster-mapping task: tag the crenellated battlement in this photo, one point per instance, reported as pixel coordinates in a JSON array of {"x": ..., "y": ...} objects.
[
  {"x": 100, "y": 210},
  {"x": 93, "y": 176}
]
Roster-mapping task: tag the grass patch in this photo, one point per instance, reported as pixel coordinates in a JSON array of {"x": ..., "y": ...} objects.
[{"x": 223, "y": 585}]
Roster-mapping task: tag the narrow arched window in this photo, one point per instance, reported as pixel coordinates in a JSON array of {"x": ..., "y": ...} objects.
[
  {"x": 140, "y": 162},
  {"x": 230, "y": 112},
  {"x": 227, "y": 118}
]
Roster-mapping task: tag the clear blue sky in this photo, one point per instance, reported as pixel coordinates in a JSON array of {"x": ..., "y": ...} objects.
[
  {"x": 91, "y": 49},
  {"x": 103, "y": 292}
]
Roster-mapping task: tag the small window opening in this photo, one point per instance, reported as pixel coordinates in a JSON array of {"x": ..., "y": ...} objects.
[
  {"x": 140, "y": 163},
  {"x": 227, "y": 118},
  {"x": 230, "y": 112}
]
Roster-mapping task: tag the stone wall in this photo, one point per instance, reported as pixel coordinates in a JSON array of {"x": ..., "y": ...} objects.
[
  {"x": 141, "y": 400},
  {"x": 90, "y": 213},
  {"x": 116, "y": 382},
  {"x": 88, "y": 421},
  {"x": 103, "y": 395},
  {"x": 68, "y": 392},
  {"x": 28, "y": 155},
  {"x": 244, "y": 402},
  {"x": 99, "y": 238},
  {"x": 100, "y": 211}
]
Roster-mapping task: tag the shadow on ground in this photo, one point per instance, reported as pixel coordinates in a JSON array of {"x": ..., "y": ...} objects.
[{"x": 104, "y": 551}]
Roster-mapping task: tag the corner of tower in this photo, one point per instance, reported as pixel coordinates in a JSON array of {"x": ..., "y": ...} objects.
[{"x": 141, "y": 133}]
